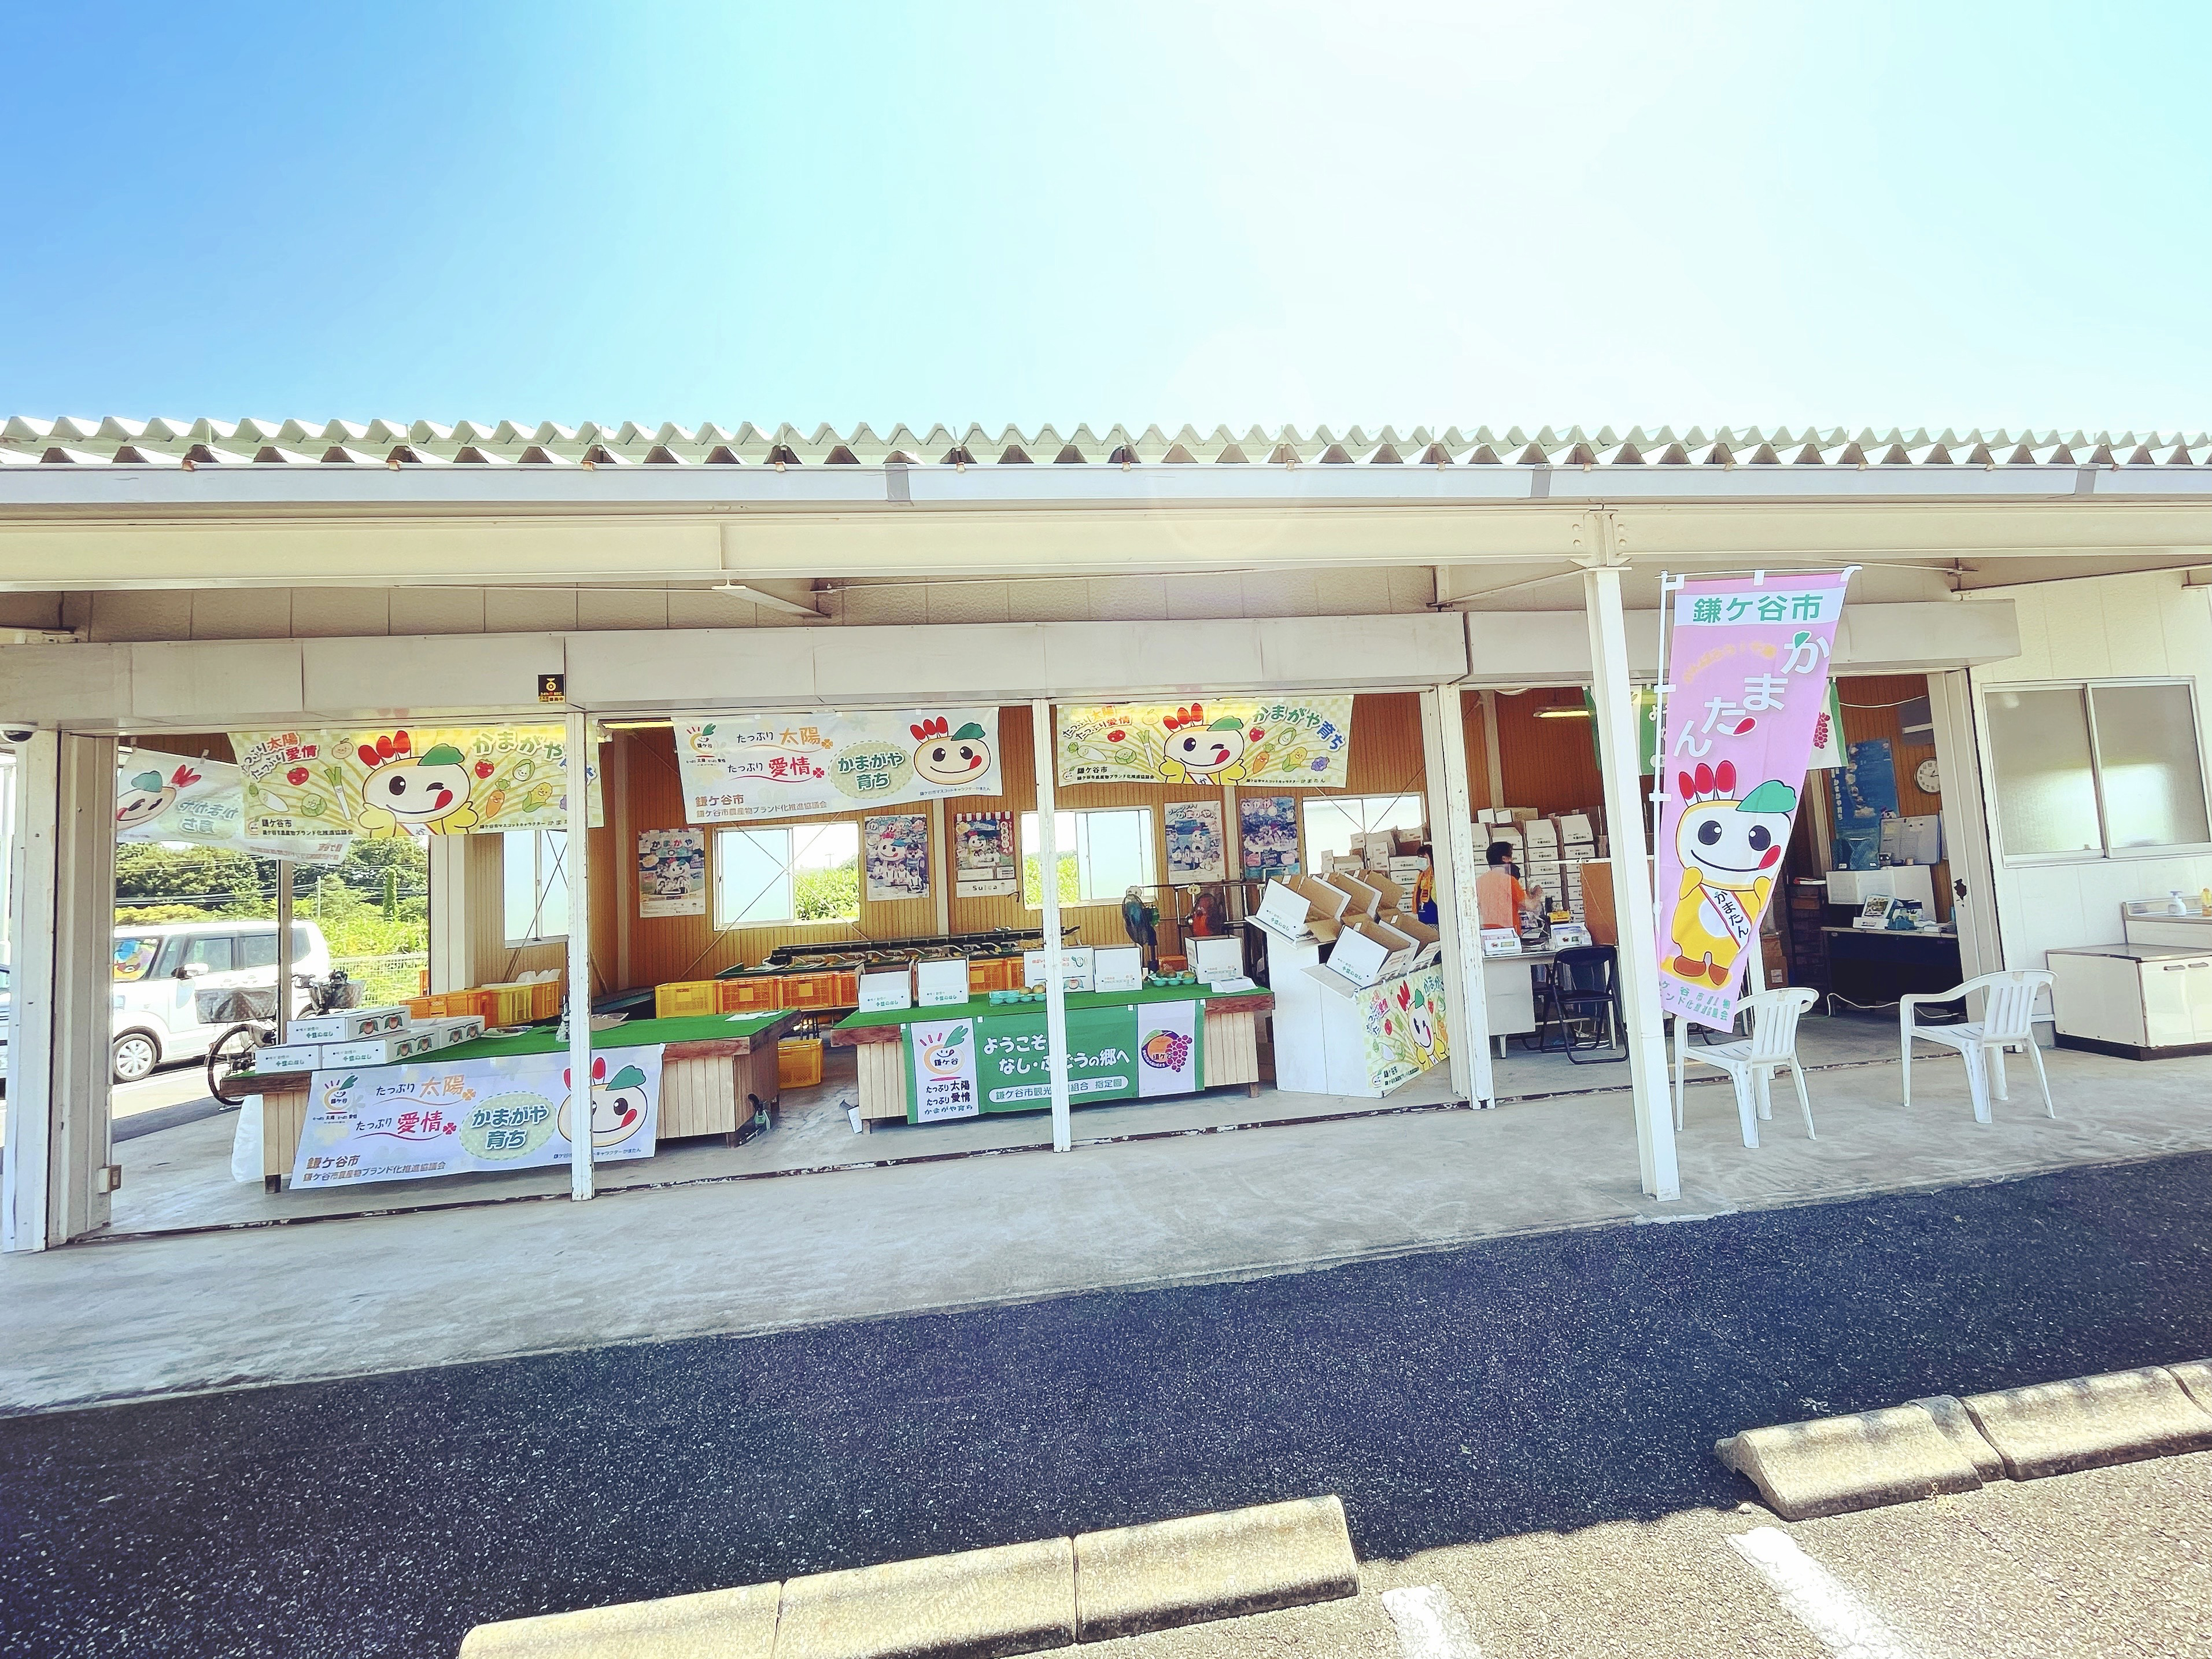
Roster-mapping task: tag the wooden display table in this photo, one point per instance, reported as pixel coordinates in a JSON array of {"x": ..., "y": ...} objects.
[
  {"x": 1230, "y": 1035},
  {"x": 718, "y": 1073}
]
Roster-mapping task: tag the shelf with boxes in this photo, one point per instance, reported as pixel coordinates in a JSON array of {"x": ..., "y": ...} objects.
[{"x": 1551, "y": 851}]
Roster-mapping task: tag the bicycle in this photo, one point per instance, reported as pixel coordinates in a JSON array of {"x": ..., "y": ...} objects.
[{"x": 233, "y": 1052}]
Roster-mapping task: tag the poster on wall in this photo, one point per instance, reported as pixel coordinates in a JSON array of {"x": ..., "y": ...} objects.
[
  {"x": 738, "y": 768},
  {"x": 672, "y": 872},
  {"x": 985, "y": 855},
  {"x": 1196, "y": 850},
  {"x": 202, "y": 803},
  {"x": 433, "y": 1117},
  {"x": 1864, "y": 792},
  {"x": 895, "y": 849},
  {"x": 1749, "y": 663},
  {"x": 1269, "y": 825},
  {"x": 1278, "y": 741},
  {"x": 389, "y": 781}
]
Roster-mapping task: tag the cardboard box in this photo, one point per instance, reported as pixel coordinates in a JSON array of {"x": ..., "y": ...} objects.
[
  {"x": 1540, "y": 833},
  {"x": 942, "y": 984},
  {"x": 1121, "y": 967},
  {"x": 1075, "y": 966},
  {"x": 1215, "y": 959},
  {"x": 1355, "y": 962},
  {"x": 347, "y": 1025},
  {"x": 449, "y": 1030},
  {"x": 376, "y": 1051},
  {"x": 1303, "y": 907},
  {"x": 1364, "y": 898},
  {"x": 287, "y": 1057},
  {"x": 1575, "y": 826},
  {"x": 887, "y": 988}
]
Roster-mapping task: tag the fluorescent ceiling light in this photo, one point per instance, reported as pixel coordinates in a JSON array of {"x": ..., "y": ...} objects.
[{"x": 1563, "y": 711}]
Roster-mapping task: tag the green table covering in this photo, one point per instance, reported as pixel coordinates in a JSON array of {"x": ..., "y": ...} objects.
[
  {"x": 984, "y": 1008},
  {"x": 630, "y": 1034}
]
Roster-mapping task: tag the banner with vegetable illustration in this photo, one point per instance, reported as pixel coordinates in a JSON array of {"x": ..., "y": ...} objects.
[
  {"x": 389, "y": 781},
  {"x": 740, "y": 767},
  {"x": 159, "y": 797},
  {"x": 1402, "y": 1021},
  {"x": 1279, "y": 741}
]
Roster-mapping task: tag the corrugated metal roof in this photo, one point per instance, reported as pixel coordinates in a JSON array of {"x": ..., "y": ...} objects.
[{"x": 113, "y": 440}]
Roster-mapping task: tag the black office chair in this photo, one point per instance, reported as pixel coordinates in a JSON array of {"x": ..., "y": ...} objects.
[{"x": 1584, "y": 986}]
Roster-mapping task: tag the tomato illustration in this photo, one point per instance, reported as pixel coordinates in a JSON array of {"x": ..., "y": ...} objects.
[{"x": 296, "y": 777}]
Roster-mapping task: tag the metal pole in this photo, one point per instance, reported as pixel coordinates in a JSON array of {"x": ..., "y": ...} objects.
[
  {"x": 285, "y": 948},
  {"x": 1055, "y": 984},
  {"x": 1614, "y": 694},
  {"x": 577, "y": 764}
]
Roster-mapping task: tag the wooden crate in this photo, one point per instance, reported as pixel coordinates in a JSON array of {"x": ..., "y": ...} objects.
[
  {"x": 685, "y": 997},
  {"x": 755, "y": 994}
]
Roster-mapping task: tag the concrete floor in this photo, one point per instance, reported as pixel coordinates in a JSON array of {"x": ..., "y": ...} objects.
[{"x": 346, "y": 1297}]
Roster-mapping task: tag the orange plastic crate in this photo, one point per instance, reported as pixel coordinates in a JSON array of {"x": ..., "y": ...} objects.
[
  {"x": 545, "y": 999},
  {"x": 686, "y": 998},
  {"x": 810, "y": 991},
  {"x": 511, "y": 1004},
  {"x": 798, "y": 1063},
  {"x": 752, "y": 995},
  {"x": 425, "y": 1007},
  {"x": 846, "y": 994}
]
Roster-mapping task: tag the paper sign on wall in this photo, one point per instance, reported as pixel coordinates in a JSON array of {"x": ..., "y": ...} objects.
[
  {"x": 672, "y": 872},
  {"x": 158, "y": 797},
  {"x": 1303, "y": 740},
  {"x": 895, "y": 851},
  {"x": 1196, "y": 851},
  {"x": 1270, "y": 829},
  {"x": 740, "y": 767},
  {"x": 389, "y": 781},
  {"x": 984, "y": 856},
  {"x": 1748, "y": 664}
]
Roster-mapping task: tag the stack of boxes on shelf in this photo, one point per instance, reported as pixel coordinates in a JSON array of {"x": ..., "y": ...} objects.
[
  {"x": 363, "y": 1036},
  {"x": 1551, "y": 851}
]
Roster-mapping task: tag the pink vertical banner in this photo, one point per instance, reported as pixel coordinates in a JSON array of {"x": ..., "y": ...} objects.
[{"x": 1747, "y": 663}]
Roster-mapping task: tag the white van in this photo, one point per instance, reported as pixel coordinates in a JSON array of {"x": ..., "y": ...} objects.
[{"x": 178, "y": 984}]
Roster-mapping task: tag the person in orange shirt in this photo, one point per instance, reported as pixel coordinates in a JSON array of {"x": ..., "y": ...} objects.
[{"x": 1499, "y": 898}]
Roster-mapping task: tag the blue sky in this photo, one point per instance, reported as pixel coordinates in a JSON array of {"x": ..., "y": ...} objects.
[{"x": 1955, "y": 214}]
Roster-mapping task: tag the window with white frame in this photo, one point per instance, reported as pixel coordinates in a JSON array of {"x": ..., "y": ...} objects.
[
  {"x": 2095, "y": 768},
  {"x": 536, "y": 885},
  {"x": 788, "y": 874},
  {"x": 1332, "y": 820},
  {"x": 1102, "y": 853}
]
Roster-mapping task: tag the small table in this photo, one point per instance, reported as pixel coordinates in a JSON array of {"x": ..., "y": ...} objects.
[
  {"x": 717, "y": 1075},
  {"x": 878, "y": 1039}
]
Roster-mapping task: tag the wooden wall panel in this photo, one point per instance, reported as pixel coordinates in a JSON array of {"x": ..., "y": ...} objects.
[
  {"x": 1873, "y": 708},
  {"x": 1549, "y": 765}
]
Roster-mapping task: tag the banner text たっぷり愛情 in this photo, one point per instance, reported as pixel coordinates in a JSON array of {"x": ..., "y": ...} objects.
[
  {"x": 737, "y": 768},
  {"x": 1747, "y": 663}
]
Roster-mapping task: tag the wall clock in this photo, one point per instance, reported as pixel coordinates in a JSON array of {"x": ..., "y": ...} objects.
[{"x": 1926, "y": 776}]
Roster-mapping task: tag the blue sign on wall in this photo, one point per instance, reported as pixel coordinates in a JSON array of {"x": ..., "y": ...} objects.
[{"x": 1864, "y": 791}]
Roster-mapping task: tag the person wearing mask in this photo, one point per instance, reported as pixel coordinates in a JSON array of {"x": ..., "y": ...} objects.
[
  {"x": 1424, "y": 887},
  {"x": 1499, "y": 898}
]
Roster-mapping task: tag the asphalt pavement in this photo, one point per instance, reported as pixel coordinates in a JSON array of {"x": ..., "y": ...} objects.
[{"x": 1553, "y": 1383}]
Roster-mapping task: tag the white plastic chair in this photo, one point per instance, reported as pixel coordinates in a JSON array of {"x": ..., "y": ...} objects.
[
  {"x": 2006, "y": 1021},
  {"x": 1751, "y": 1064}
]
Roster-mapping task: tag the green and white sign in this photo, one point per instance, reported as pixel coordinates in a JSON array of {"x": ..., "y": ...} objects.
[{"x": 959, "y": 1067}]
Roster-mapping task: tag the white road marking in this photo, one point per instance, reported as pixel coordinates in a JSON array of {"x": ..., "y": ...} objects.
[
  {"x": 1823, "y": 1603},
  {"x": 1429, "y": 1625}
]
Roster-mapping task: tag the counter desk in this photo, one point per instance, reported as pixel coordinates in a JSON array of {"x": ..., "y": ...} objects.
[
  {"x": 1115, "y": 1053},
  {"x": 718, "y": 1073}
]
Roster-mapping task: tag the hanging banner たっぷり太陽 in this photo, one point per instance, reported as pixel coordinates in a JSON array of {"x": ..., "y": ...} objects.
[
  {"x": 738, "y": 767},
  {"x": 1748, "y": 672},
  {"x": 158, "y": 797},
  {"x": 1279, "y": 741},
  {"x": 389, "y": 781}
]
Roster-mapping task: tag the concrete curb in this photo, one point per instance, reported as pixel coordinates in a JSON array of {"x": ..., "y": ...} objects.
[
  {"x": 1942, "y": 1444},
  {"x": 979, "y": 1604},
  {"x": 1212, "y": 1566},
  {"x": 2057, "y": 1428}
]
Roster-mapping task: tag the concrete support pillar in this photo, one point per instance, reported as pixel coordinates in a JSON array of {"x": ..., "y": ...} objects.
[
  {"x": 1458, "y": 863},
  {"x": 1056, "y": 980},
  {"x": 452, "y": 932},
  {"x": 56, "y": 1176},
  {"x": 1615, "y": 697},
  {"x": 576, "y": 758}
]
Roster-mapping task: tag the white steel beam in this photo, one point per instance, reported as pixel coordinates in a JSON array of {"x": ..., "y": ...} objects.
[
  {"x": 1614, "y": 695},
  {"x": 577, "y": 761},
  {"x": 1055, "y": 984},
  {"x": 1457, "y": 863}
]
